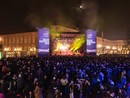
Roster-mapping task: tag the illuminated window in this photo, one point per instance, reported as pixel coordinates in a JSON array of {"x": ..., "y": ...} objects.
[
  {"x": 33, "y": 40},
  {"x": 17, "y": 41},
  {"x": 10, "y": 41},
  {"x": 13, "y": 40},
  {"x": 25, "y": 40},
  {"x": 6, "y": 41},
  {"x": 21, "y": 40},
  {"x": 29, "y": 40},
  {"x": 3, "y": 41},
  {"x": 25, "y": 48}
]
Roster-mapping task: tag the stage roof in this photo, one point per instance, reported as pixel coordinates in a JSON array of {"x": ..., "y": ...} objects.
[{"x": 58, "y": 28}]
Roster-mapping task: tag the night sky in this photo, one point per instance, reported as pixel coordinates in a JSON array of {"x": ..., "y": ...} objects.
[{"x": 109, "y": 16}]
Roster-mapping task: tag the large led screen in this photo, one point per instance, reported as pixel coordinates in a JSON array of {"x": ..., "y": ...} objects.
[
  {"x": 43, "y": 41},
  {"x": 90, "y": 41}
]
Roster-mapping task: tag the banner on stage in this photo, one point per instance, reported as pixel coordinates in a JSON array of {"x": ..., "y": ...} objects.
[
  {"x": 90, "y": 41},
  {"x": 43, "y": 41}
]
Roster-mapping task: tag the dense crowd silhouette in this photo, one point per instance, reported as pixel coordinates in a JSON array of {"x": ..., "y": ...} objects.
[{"x": 65, "y": 77}]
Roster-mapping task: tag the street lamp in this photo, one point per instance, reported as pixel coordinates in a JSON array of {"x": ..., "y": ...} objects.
[
  {"x": 114, "y": 48},
  {"x": 108, "y": 47},
  {"x": 80, "y": 6},
  {"x": 99, "y": 46}
]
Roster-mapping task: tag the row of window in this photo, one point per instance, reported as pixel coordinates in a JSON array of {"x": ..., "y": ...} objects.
[{"x": 20, "y": 40}]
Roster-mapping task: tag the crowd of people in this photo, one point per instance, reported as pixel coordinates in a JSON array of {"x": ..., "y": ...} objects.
[{"x": 65, "y": 77}]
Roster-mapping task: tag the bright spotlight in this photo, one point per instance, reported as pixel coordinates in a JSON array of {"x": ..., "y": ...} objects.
[{"x": 63, "y": 47}]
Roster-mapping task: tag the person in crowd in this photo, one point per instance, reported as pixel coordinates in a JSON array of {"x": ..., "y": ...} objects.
[
  {"x": 29, "y": 95},
  {"x": 71, "y": 86},
  {"x": 64, "y": 84},
  {"x": 2, "y": 95},
  {"x": 38, "y": 91}
]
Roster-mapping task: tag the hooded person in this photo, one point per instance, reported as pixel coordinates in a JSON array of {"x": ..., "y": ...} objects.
[{"x": 38, "y": 91}]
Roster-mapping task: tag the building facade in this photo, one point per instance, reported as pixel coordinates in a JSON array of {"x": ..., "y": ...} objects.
[
  {"x": 20, "y": 44},
  {"x": 106, "y": 46}
]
